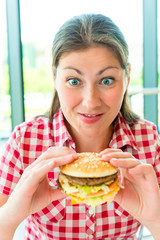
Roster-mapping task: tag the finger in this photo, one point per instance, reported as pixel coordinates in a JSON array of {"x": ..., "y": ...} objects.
[
  {"x": 121, "y": 170},
  {"x": 117, "y": 155},
  {"x": 39, "y": 171},
  {"x": 58, "y": 194},
  {"x": 62, "y": 160},
  {"x": 56, "y": 152},
  {"x": 145, "y": 175},
  {"x": 125, "y": 163},
  {"x": 145, "y": 170},
  {"x": 109, "y": 150},
  {"x": 53, "y": 152},
  {"x": 140, "y": 173}
]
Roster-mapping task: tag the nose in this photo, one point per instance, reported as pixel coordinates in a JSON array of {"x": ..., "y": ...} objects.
[{"x": 91, "y": 97}]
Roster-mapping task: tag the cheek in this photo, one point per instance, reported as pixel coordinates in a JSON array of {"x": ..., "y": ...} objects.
[
  {"x": 68, "y": 98},
  {"x": 114, "y": 98}
]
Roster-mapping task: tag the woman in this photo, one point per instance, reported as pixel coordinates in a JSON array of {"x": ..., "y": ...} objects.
[{"x": 89, "y": 113}]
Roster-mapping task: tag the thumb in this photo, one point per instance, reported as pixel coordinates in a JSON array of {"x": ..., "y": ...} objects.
[{"x": 57, "y": 194}]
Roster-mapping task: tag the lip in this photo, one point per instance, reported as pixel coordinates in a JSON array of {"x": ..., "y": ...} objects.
[{"x": 90, "y": 118}]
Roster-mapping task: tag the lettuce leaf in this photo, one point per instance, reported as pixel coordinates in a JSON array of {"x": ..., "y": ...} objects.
[{"x": 94, "y": 201}]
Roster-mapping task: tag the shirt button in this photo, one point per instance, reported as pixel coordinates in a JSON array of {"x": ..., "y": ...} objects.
[
  {"x": 90, "y": 236},
  {"x": 91, "y": 211}
]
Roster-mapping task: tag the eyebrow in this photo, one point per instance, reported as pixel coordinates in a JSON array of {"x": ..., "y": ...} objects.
[
  {"x": 75, "y": 69},
  {"x": 99, "y": 73}
]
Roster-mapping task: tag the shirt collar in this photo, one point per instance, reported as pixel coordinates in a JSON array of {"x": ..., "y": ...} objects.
[
  {"x": 122, "y": 135},
  {"x": 60, "y": 132}
]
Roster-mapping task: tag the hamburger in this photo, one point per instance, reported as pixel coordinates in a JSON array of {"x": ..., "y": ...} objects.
[{"x": 89, "y": 179}]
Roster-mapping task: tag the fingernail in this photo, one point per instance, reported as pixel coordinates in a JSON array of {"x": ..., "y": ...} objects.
[{"x": 106, "y": 156}]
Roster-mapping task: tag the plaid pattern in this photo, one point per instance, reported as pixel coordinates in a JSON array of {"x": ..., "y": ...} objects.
[{"x": 61, "y": 220}]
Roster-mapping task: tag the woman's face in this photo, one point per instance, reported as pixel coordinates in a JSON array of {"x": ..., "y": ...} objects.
[{"x": 91, "y": 86}]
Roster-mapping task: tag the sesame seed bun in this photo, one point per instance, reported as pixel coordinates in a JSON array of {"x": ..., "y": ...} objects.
[
  {"x": 88, "y": 165},
  {"x": 89, "y": 180}
]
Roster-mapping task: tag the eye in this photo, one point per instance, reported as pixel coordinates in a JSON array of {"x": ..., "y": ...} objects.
[
  {"x": 107, "y": 81},
  {"x": 73, "y": 81}
]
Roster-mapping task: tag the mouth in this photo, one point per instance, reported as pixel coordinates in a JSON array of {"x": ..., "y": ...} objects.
[
  {"x": 90, "y": 118},
  {"x": 91, "y": 115}
]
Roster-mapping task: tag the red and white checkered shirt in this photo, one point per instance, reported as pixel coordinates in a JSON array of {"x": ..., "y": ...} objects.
[{"x": 61, "y": 220}]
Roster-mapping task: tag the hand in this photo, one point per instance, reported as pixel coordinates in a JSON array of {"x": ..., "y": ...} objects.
[
  {"x": 33, "y": 191},
  {"x": 141, "y": 195}
]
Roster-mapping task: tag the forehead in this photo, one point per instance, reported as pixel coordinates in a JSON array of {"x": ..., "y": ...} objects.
[{"x": 95, "y": 54}]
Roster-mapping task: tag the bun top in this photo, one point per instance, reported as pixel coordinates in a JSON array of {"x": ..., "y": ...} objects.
[{"x": 88, "y": 165}]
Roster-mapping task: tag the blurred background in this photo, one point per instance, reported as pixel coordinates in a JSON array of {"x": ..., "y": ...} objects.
[{"x": 27, "y": 29}]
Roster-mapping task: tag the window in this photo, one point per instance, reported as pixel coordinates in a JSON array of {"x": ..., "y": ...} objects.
[
  {"x": 5, "y": 109},
  {"x": 40, "y": 21},
  {"x": 158, "y": 27}
]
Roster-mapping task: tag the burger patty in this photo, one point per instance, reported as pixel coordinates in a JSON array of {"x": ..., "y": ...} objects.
[{"x": 90, "y": 181}]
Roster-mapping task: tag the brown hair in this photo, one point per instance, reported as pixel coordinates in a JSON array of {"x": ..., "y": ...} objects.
[{"x": 82, "y": 32}]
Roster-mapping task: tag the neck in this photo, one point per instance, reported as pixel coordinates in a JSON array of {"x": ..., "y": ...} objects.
[
  {"x": 92, "y": 144},
  {"x": 89, "y": 146}
]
